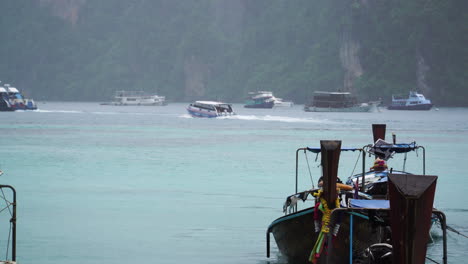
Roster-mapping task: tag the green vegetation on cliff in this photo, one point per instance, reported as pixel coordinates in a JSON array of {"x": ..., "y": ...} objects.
[{"x": 85, "y": 50}]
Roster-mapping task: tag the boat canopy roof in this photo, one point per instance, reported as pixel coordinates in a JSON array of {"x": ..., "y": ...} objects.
[
  {"x": 261, "y": 92},
  {"x": 334, "y": 93},
  {"x": 13, "y": 90},
  {"x": 211, "y": 103},
  {"x": 318, "y": 150},
  {"x": 127, "y": 93},
  {"x": 372, "y": 204},
  {"x": 2, "y": 90},
  {"x": 379, "y": 147},
  {"x": 397, "y": 148}
]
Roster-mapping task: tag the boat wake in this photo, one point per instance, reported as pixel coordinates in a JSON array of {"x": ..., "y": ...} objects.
[
  {"x": 58, "y": 111},
  {"x": 87, "y": 112},
  {"x": 285, "y": 119}
]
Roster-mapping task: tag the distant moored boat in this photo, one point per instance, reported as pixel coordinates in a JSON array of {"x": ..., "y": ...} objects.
[
  {"x": 415, "y": 101},
  {"x": 260, "y": 99},
  {"x": 336, "y": 102},
  {"x": 138, "y": 98}
]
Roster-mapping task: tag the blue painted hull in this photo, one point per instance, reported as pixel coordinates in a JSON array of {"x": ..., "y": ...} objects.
[{"x": 201, "y": 113}]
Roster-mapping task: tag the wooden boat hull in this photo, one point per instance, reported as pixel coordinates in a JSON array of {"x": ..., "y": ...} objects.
[{"x": 295, "y": 237}]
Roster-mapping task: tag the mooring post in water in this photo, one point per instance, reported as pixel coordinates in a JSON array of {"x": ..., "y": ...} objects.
[
  {"x": 330, "y": 150},
  {"x": 411, "y": 204}
]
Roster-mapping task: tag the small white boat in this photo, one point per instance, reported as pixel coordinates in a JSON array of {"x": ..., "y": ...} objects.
[
  {"x": 260, "y": 99},
  {"x": 138, "y": 98},
  {"x": 280, "y": 103},
  {"x": 210, "y": 109}
]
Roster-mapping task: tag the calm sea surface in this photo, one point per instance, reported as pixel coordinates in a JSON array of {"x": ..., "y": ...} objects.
[{"x": 112, "y": 184}]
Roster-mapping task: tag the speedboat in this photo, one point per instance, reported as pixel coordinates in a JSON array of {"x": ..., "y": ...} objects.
[
  {"x": 260, "y": 99},
  {"x": 11, "y": 99},
  {"x": 210, "y": 109},
  {"x": 279, "y": 102},
  {"x": 415, "y": 101},
  {"x": 138, "y": 98}
]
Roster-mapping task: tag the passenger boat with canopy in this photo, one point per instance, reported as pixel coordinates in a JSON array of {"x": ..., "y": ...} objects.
[
  {"x": 210, "y": 109},
  {"x": 374, "y": 181},
  {"x": 344, "y": 224}
]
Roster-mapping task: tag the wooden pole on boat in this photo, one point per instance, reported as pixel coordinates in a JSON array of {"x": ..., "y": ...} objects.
[
  {"x": 378, "y": 131},
  {"x": 411, "y": 204},
  {"x": 330, "y": 150}
]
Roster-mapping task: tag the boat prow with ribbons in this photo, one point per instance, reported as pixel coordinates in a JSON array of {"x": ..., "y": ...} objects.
[{"x": 339, "y": 223}]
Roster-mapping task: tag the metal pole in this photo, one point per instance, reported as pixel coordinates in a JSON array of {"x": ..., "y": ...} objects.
[
  {"x": 13, "y": 222},
  {"x": 363, "y": 169},
  {"x": 350, "y": 239},
  {"x": 424, "y": 160},
  {"x": 268, "y": 243},
  {"x": 297, "y": 165},
  {"x": 443, "y": 225}
]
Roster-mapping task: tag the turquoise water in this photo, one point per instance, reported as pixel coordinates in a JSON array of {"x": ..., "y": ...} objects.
[{"x": 112, "y": 184}]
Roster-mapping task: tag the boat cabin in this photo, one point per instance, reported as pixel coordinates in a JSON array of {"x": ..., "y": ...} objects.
[
  {"x": 213, "y": 106},
  {"x": 415, "y": 101},
  {"x": 333, "y": 99}
]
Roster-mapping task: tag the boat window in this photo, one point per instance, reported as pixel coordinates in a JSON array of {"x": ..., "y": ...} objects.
[{"x": 205, "y": 106}]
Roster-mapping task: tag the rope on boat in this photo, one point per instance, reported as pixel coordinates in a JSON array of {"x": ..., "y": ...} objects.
[
  {"x": 8, "y": 244},
  {"x": 7, "y": 206},
  {"x": 455, "y": 231},
  {"x": 449, "y": 228},
  {"x": 352, "y": 173},
  {"x": 404, "y": 161},
  {"x": 8, "y": 203},
  {"x": 432, "y": 260},
  {"x": 308, "y": 167}
]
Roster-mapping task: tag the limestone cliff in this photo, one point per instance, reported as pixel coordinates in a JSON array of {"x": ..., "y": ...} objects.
[{"x": 349, "y": 56}]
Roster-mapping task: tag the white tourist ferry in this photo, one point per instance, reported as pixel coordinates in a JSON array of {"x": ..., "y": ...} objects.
[
  {"x": 415, "y": 101},
  {"x": 138, "y": 98}
]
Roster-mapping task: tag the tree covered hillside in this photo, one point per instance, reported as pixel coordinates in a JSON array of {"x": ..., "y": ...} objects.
[{"x": 84, "y": 50}]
